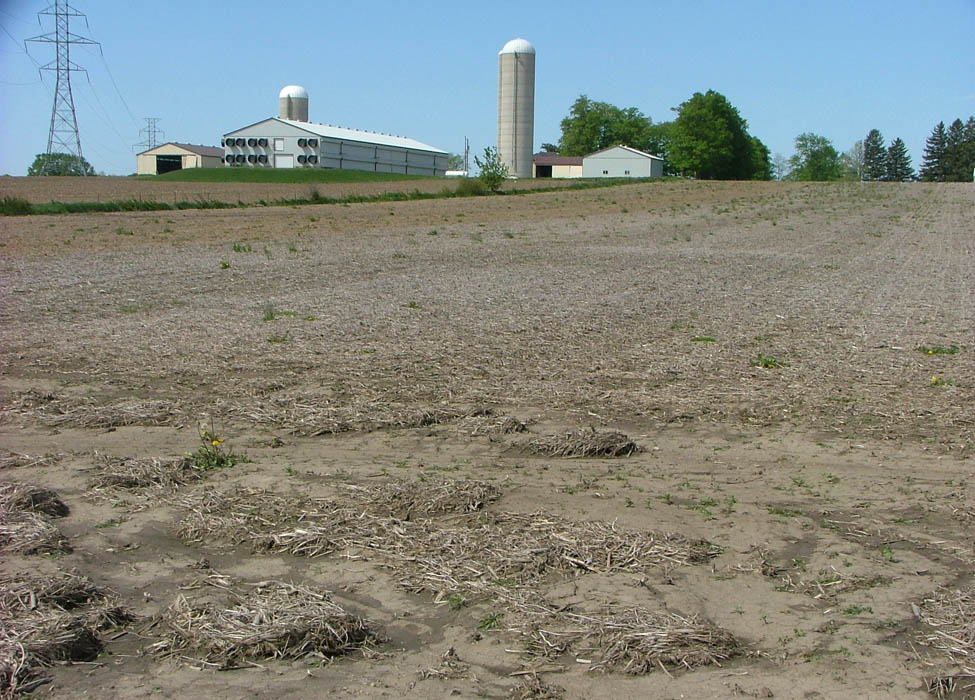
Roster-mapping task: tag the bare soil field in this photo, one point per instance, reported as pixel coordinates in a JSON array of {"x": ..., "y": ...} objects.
[{"x": 661, "y": 440}]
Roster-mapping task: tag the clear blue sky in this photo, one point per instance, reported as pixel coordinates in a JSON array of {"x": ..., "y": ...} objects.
[{"x": 428, "y": 70}]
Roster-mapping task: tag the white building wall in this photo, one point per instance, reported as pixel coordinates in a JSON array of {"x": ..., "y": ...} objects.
[
  {"x": 273, "y": 139},
  {"x": 621, "y": 162}
]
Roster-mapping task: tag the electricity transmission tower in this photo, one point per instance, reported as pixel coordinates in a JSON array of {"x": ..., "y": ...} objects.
[
  {"x": 151, "y": 132},
  {"x": 63, "y": 136}
]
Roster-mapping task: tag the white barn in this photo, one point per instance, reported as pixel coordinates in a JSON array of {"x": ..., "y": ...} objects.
[
  {"x": 291, "y": 141},
  {"x": 622, "y": 161},
  {"x": 287, "y": 143}
]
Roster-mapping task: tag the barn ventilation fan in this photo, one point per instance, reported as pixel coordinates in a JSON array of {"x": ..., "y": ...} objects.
[
  {"x": 301, "y": 159},
  {"x": 251, "y": 142},
  {"x": 313, "y": 142},
  {"x": 312, "y": 159},
  {"x": 302, "y": 142},
  {"x": 240, "y": 159},
  {"x": 262, "y": 142},
  {"x": 241, "y": 141},
  {"x": 251, "y": 159},
  {"x": 262, "y": 158}
]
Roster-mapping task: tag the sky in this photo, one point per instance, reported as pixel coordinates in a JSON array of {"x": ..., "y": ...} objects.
[{"x": 429, "y": 70}]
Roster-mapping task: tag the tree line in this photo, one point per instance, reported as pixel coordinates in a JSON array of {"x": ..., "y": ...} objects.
[{"x": 709, "y": 139}]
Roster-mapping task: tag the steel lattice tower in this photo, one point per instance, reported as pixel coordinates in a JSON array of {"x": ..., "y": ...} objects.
[
  {"x": 63, "y": 136},
  {"x": 152, "y": 132}
]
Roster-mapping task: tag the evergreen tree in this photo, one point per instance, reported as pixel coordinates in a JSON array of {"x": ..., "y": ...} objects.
[
  {"x": 874, "y": 156},
  {"x": 954, "y": 160},
  {"x": 933, "y": 166},
  {"x": 898, "y": 163},
  {"x": 966, "y": 157}
]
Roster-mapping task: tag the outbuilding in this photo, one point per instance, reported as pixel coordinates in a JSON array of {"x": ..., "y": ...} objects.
[
  {"x": 288, "y": 143},
  {"x": 177, "y": 156},
  {"x": 555, "y": 166},
  {"x": 622, "y": 161}
]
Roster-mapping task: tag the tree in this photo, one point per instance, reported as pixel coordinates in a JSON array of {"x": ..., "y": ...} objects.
[
  {"x": 780, "y": 167},
  {"x": 493, "y": 170},
  {"x": 814, "y": 159},
  {"x": 898, "y": 163},
  {"x": 933, "y": 163},
  {"x": 455, "y": 161},
  {"x": 874, "y": 156},
  {"x": 851, "y": 162},
  {"x": 959, "y": 158},
  {"x": 709, "y": 139},
  {"x": 592, "y": 126},
  {"x": 60, "y": 164},
  {"x": 549, "y": 148},
  {"x": 761, "y": 160}
]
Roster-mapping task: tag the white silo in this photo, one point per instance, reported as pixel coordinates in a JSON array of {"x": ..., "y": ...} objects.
[
  {"x": 516, "y": 106},
  {"x": 293, "y": 103}
]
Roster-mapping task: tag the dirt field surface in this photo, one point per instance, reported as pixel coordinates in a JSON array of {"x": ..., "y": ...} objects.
[{"x": 663, "y": 440}]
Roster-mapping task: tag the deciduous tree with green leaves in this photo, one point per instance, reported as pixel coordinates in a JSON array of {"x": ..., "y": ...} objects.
[
  {"x": 60, "y": 164},
  {"x": 592, "y": 126},
  {"x": 493, "y": 170},
  {"x": 710, "y": 140},
  {"x": 874, "y": 156},
  {"x": 814, "y": 159}
]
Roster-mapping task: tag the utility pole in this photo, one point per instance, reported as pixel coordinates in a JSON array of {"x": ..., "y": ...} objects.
[
  {"x": 63, "y": 136},
  {"x": 151, "y": 132}
]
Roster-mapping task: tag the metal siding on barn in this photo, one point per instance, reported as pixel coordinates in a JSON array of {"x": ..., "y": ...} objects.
[
  {"x": 337, "y": 147},
  {"x": 621, "y": 162}
]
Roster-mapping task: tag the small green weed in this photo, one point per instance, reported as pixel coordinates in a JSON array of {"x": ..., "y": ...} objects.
[
  {"x": 857, "y": 610},
  {"x": 239, "y": 247},
  {"x": 490, "y": 622},
  {"x": 211, "y": 454},
  {"x": 702, "y": 339},
  {"x": 938, "y": 349},
  {"x": 768, "y": 361},
  {"x": 224, "y": 264},
  {"x": 124, "y": 231},
  {"x": 277, "y": 338},
  {"x": 269, "y": 313}
]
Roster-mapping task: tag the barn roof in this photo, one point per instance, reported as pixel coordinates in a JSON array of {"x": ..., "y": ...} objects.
[
  {"x": 344, "y": 134},
  {"x": 211, "y": 151},
  {"x": 625, "y": 148},
  {"x": 555, "y": 159}
]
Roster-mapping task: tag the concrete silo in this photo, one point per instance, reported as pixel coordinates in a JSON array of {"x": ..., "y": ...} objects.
[
  {"x": 293, "y": 103},
  {"x": 516, "y": 106}
]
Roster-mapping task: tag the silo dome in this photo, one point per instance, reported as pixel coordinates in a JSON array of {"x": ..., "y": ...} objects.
[
  {"x": 293, "y": 91},
  {"x": 293, "y": 103},
  {"x": 518, "y": 46}
]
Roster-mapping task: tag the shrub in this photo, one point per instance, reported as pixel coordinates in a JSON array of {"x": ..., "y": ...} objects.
[
  {"x": 15, "y": 206},
  {"x": 470, "y": 187}
]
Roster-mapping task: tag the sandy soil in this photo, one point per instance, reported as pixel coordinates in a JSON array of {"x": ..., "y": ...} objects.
[{"x": 802, "y": 498}]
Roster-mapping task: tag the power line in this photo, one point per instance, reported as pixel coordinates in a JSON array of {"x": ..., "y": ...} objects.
[
  {"x": 63, "y": 134},
  {"x": 152, "y": 133}
]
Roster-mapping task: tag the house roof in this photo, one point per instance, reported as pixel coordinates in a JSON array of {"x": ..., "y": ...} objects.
[
  {"x": 625, "y": 148},
  {"x": 212, "y": 151},
  {"x": 345, "y": 134},
  {"x": 546, "y": 158}
]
